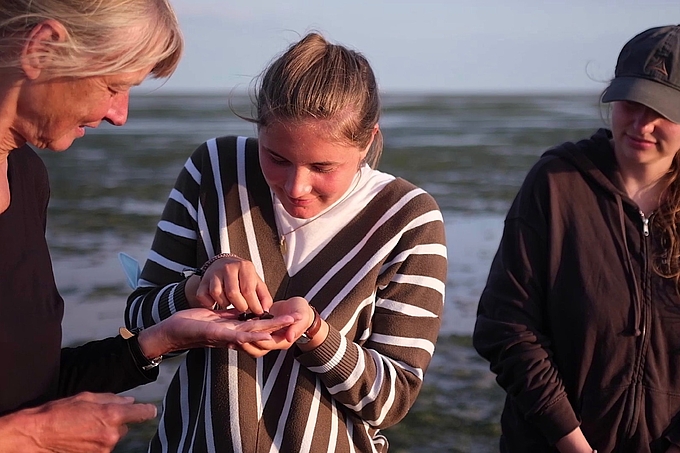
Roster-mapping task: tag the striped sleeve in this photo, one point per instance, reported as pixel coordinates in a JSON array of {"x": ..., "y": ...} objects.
[
  {"x": 160, "y": 291},
  {"x": 379, "y": 374}
]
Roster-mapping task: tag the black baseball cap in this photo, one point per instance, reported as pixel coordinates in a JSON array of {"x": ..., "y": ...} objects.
[{"x": 648, "y": 72}]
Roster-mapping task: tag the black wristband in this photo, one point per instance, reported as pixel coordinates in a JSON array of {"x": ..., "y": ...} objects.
[{"x": 138, "y": 356}]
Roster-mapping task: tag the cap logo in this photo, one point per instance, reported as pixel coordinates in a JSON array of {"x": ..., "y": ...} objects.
[{"x": 658, "y": 64}]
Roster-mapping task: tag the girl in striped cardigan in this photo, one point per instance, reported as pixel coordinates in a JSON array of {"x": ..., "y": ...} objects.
[{"x": 299, "y": 216}]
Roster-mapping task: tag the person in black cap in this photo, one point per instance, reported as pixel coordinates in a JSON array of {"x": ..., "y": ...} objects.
[{"x": 580, "y": 316}]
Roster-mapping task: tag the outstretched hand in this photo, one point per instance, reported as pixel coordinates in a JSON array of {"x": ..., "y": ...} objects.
[
  {"x": 295, "y": 307},
  {"x": 202, "y": 327},
  {"x": 87, "y": 422}
]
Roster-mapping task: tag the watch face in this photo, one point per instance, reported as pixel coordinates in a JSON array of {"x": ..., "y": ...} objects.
[{"x": 154, "y": 363}]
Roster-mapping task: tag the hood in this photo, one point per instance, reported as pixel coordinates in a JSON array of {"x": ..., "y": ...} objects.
[{"x": 600, "y": 166}]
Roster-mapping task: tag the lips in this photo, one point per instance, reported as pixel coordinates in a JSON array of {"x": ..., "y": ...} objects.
[
  {"x": 639, "y": 142},
  {"x": 297, "y": 202}
]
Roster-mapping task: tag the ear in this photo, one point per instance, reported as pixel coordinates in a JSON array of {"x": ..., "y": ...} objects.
[
  {"x": 375, "y": 130},
  {"x": 38, "y": 46}
]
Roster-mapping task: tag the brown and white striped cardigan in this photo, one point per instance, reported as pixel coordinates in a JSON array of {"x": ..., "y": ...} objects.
[{"x": 379, "y": 283}]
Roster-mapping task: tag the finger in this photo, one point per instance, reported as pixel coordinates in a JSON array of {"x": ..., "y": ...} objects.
[
  {"x": 219, "y": 291},
  {"x": 278, "y": 341},
  {"x": 285, "y": 337},
  {"x": 249, "y": 284},
  {"x": 203, "y": 296},
  {"x": 252, "y": 350},
  {"x": 137, "y": 413},
  {"x": 104, "y": 398},
  {"x": 291, "y": 335},
  {"x": 250, "y": 295},
  {"x": 264, "y": 296},
  {"x": 231, "y": 293},
  {"x": 267, "y": 325},
  {"x": 122, "y": 431},
  {"x": 231, "y": 337},
  {"x": 252, "y": 337}
]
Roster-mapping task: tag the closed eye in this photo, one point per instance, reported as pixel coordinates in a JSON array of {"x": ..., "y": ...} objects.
[
  {"x": 322, "y": 168},
  {"x": 277, "y": 160}
]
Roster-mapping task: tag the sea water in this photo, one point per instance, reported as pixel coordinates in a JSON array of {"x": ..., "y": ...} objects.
[{"x": 470, "y": 152}]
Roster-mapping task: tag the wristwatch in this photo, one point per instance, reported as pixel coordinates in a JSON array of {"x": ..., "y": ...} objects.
[
  {"x": 140, "y": 359},
  {"x": 307, "y": 336}
]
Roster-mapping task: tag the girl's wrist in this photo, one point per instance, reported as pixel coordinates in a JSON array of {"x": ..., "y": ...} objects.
[
  {"x": 319, "y": 337},
  {"x": 199, "y": 272}
]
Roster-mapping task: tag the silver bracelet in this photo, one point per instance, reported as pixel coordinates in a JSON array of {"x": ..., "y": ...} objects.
[{"x": 188, "y": 272}]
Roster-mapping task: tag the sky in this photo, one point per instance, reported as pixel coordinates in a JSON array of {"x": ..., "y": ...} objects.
[{"x": 424, "y": 46}]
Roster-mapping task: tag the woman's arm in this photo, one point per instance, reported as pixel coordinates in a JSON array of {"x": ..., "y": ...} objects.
[
  {"x": 161, "y": 291},
  {"x": 511, "y": 324},
  {"x": 113, "y": 365},
  {"x": 378, "y": 376}
]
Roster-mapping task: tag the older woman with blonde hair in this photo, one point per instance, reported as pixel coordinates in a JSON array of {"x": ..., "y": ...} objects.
[{"x": 66, "y": 65}]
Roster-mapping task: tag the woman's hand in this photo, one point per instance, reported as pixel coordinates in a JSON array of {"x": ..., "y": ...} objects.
[
  {"x": 229, "y": 281},
  {"x": 92, "y": 422},
  {"x": 202, "y": 327},
  {"x": 295, "y": 307},
  {"x": 574, "y": 442}
]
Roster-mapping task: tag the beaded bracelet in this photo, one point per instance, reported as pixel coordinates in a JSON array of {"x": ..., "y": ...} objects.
[{"x": 188, "y": 272}]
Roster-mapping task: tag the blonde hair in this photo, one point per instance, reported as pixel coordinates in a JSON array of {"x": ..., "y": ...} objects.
[
  {"x": 315, "y": 79},
  {"x": 666, "y": 221},
  {"x": 102, "y": 36}
]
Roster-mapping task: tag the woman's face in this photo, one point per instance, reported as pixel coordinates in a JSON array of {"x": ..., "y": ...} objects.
[
  {"x": 643, "y": 137},
  {"x": 306, "y": 170},
  {"x": 53, "y": 113}
]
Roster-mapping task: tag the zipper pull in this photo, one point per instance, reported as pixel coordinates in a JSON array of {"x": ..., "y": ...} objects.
[{"x": 645, "y": 224}]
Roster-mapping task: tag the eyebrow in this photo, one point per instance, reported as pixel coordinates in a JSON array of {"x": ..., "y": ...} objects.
[
  {"x": 127, "y": 84},
  {"x": 325, "y": 163}
]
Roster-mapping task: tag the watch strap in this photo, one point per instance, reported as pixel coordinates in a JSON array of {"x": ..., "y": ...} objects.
[
  {"x": 316, "y": 324},
  {"x": 315, "y": 327},
  {"x": 132, "y": 340}
]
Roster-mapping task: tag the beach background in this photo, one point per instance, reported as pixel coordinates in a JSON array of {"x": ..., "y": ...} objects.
[{"x": 471, "y": 152}]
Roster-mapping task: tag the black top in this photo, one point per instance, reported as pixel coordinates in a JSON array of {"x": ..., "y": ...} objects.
[
  {"x": 577, "y": 326},
  {"x": 31, "y": 308}
]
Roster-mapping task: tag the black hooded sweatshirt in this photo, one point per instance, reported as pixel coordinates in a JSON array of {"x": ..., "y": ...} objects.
[{"x": 578, "y": 327}]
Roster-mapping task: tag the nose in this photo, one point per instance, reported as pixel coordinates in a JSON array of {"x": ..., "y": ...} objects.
[
  {"x": 297, "y": 182},
  {"x": 118, "y": 112},
  {"x": 645, "y": 118}
]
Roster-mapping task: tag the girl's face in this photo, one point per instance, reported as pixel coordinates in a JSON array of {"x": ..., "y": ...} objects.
[
  {"x": 643, "y": 137},
  {"x": 305, "y": 168}
]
